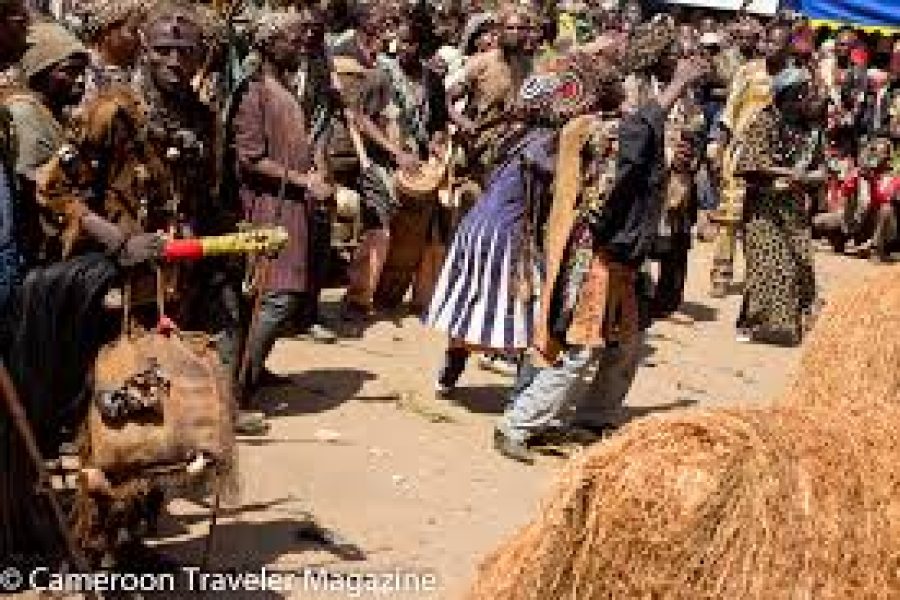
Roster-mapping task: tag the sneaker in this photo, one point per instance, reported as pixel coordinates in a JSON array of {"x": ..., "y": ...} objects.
[
  {"x": 744, "y": 336},
  {"x": 250, "y": 423},
  {"x": 512, "y": 449},
  {"x": 501, "y": 365},
  {"x": 319, "y": 334},
  {"x": 443, "y": 390}
]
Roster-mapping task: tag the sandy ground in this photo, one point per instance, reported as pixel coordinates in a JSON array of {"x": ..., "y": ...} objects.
[{"x": 360, "y": 447}]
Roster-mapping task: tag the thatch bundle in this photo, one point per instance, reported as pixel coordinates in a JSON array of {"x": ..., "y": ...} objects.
[
  {"x": 797, "y": 501},
  {"x": 853, "y": 353},
  {"x": 776, "y": 503}
]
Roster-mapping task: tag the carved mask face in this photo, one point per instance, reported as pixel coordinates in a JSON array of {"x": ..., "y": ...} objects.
[
  {"x": 13, "y": 31},
  {"x": 173, "y": 52},
  {"x": 312, "y": 33},
  {"x": 65, "y": 80}
]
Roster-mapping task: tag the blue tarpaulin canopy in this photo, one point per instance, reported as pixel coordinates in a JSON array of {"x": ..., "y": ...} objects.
[
  {"x": 867, "y": 13},
  {"x": 879, "y": 13}
]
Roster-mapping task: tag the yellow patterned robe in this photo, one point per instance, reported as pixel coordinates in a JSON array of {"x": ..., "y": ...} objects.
[{"x": 750, "y": 93}]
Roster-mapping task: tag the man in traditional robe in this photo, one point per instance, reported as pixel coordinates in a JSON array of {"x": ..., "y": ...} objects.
[
  {"x": 278, "y": 183},
  {"x": 589, "y": 291}
]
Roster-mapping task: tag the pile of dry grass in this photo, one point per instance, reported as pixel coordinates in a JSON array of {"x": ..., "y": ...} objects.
[
  {"x": 777, "y": 503},
  {"x": 852, "y": 357},
  {"x": 797, "y": 501}
]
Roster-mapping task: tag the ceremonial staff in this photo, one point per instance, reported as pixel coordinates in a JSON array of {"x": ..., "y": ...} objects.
[{"x": 20, "y": 420}]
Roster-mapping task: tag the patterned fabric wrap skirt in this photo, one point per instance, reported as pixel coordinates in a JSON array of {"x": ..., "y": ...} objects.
[
  {"x": 479, "y": 298},
  {"x": 780, "y": 284}
]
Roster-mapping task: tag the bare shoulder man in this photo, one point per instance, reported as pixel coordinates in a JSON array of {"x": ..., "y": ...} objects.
[{"x": 491, "y": 80}]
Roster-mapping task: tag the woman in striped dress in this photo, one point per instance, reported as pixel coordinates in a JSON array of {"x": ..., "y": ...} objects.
[{"x": 486, "y": 298}]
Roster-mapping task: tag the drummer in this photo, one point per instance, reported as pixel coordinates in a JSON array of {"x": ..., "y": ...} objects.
[
  {"x": 418, "y": 119},
  {"x": 362, "y": 155}
]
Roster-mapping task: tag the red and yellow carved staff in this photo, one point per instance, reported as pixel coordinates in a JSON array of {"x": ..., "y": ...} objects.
[{"x": 266, "y": 241}]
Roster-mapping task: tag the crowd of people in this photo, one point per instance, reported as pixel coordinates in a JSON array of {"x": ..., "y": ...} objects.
[{"x": 530, "y": 177}]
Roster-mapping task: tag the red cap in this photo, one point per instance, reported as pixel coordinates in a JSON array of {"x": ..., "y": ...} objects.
[{"x": 859, "y": 56}]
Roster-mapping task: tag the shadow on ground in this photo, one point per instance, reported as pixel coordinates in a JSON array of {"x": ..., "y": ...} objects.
[
  {"x": 625, "y": 414},
  {"x": 245, "y": 547},
  {"x": 603, "y": 402},
  {"x": 483, "y": 399},
  {"x": 699, "y": 312},
  {"x": 492, "y": 399},
  {"x": 314, "y": 391},
  {"x": 354, "y": 326}
]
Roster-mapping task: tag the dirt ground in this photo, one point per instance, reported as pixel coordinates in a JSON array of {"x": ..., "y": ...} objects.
[{"x": 361, "y": 449}]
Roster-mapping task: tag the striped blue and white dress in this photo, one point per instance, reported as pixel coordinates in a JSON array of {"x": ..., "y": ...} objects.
[{"x": 476, "y": 299}]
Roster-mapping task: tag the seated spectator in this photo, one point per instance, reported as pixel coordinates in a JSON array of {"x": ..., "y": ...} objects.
[
  {"x": 875, "y": 221},
  {"x": 863, "y": 203},
  {"x": 842, "y": 185}
]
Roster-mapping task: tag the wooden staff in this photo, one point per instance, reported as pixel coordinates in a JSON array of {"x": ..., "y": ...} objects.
[
  {"x": 20, "y": 419},
  {"x": 261, "y": 282}
]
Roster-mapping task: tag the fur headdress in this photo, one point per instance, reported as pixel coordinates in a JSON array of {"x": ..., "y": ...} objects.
[
  {"x": 650, "y": 42},
  {"x": 48, "y": 44},
  {"x": 101, "y": 15},
  {"x": 272, "y": 24},
  {"x": 567, "y": 87}
]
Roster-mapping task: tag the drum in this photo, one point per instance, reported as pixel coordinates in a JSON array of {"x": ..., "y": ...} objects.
[
  {"x": 346, "y": 225},
  {"x": 425, "y": 182},
  {"x": 348, "y": 204}
]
